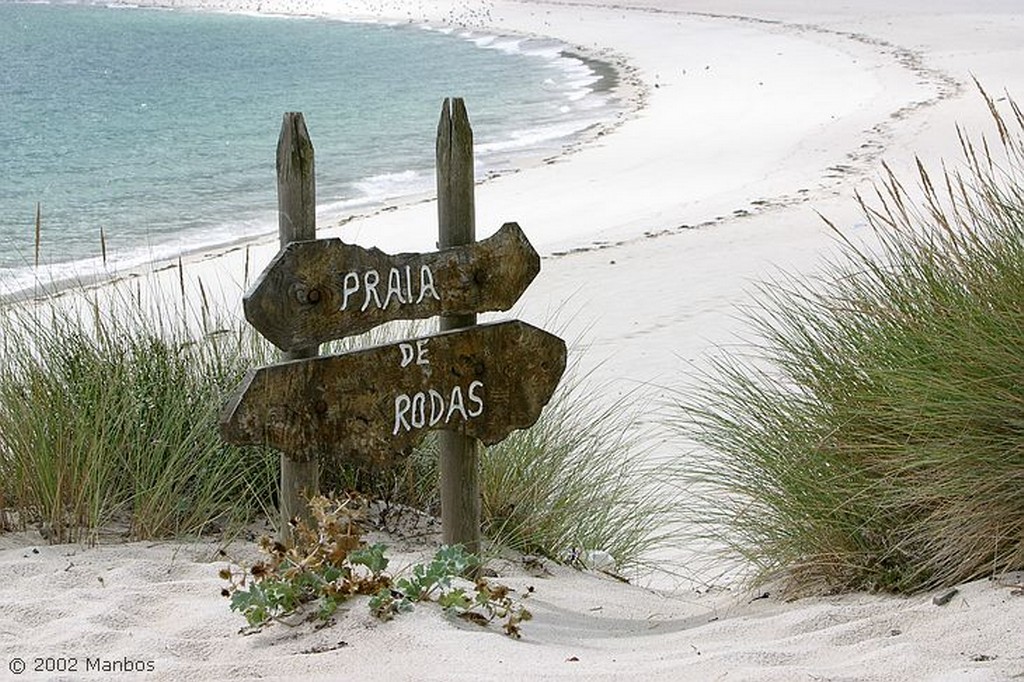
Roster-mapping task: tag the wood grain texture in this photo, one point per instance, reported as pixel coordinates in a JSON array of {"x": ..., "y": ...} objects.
[
  {"x": 456, "y": 219},
  {"x": 296, "y": 213}
]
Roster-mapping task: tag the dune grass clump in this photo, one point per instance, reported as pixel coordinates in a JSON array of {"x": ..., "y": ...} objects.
[
  {"x": 581, "y": 486},
  {"x": 108, "y": 418},
  {"x": 579, "y": 483},
  {"x": 874, "y": 439}
]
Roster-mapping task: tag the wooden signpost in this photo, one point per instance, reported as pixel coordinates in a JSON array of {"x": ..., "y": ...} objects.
[{"x": 473, "y": 383}]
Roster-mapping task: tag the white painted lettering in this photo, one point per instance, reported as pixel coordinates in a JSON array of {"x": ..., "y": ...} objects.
[
  {"x": 428, "y": 409},
  {"x": 475, "y": 399},
  {"x": 436, "y": 407},
  {"x": 394, "y": 287},
  {"x": 419, "y": 411},
  {"x": 417, "y": 353},
  {"x": 456, "y": 404},
  {"x": 398, "y": 290},
  {"x": 402, "y": 405},
  {"x": 427, "y": 284},
  {"x": 349, "y": 286},
  {"x": 370, "y": 281},
  {"x": 408, "y": 353}
]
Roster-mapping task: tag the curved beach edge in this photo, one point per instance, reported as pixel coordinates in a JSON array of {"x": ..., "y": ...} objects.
[{"x": 759, "y": 116}]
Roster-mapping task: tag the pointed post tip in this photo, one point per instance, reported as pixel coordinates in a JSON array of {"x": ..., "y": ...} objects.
[{"x": 294, "y": 133}]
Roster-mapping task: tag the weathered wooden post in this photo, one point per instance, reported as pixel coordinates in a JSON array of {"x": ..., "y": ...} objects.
[
  {"x": 296, "y": 211},
  {"x": 475, "y": 383},
  {"x": 456, "y": 212}
]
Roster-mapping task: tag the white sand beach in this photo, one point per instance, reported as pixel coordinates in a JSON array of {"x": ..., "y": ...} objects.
[{"x": 748, "y": 119}]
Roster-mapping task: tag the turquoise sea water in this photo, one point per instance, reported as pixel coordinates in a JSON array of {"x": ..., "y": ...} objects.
[{"x": 160, "y": 127}]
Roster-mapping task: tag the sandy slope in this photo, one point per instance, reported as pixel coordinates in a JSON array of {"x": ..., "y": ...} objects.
[
  {"x": 157, "y": 605},
  {"x": 755, "y": 116}
]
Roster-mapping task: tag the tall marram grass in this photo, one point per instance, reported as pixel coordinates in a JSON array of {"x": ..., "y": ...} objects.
[
  {"x": 108, "y": 413},
  {"x": 583, "y": 479},
  {"x": 108, "y": 418},
  {"x": 874, "y": 438}
]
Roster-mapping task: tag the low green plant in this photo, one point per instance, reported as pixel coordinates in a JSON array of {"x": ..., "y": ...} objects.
[
  {"x": 874, "y": 437},
  {"x": 434, "y": 581},
  {"x": 325, "y": 566},
  {"x": 329, "y": 563}
]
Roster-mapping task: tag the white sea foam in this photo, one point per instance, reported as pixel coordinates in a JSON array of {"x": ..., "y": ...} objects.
[
  {"x": 534, "y": 138},
  {"x": 390, "y": 185}
]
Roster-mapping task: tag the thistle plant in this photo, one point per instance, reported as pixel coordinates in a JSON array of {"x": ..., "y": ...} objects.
[{"x": 330, "y": 563}]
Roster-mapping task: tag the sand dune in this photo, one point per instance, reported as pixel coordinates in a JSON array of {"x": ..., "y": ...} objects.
[{"x": 747, "y": 119}]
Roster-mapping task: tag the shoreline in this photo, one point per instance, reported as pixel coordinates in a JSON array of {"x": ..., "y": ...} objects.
[
  {"x": 634, "y": 87},
  {"x": 652, "y": 237},
  {"x": 611, "y": 82},
  {"x": 633, "y": 92}
]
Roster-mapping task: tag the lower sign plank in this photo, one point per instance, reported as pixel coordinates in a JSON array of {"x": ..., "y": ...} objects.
[{"x": 368, "y": 406}]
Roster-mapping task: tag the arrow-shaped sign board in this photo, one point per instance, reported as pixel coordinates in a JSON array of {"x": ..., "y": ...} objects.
[
  {"x": 369, "y": 405},
  {"x": 316, "y": 291}
]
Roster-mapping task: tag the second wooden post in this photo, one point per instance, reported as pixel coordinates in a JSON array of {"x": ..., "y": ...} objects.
[
  {"x": 459, "y": 455},
  {"x": 296, "y": 209}
]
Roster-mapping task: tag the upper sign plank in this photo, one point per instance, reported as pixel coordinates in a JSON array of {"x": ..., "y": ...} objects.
[{"x": 317, "y": 291}]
